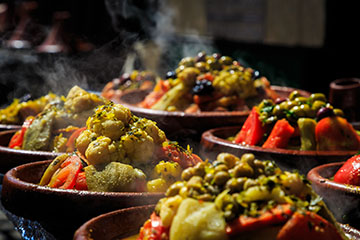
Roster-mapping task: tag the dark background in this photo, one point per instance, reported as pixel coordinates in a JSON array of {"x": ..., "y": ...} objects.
[{"x": 103, "y": 25}]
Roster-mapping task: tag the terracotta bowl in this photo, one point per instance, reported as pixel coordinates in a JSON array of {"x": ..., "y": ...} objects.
[
  {"x": 10, "y": 158},
  {"x": 214, "y": 142},
  {"x": 342, "y": 199},
  {"x": 59, "y": 211},
  {"x": 127, "y": 222},
  {"x": 9, "y": 127},
  {"x": 180, "y": 125}
]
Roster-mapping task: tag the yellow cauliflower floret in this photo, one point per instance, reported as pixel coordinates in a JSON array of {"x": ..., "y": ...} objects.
[
  {"x": 110, "y": 121},
  {"x": 168, "y": 170},
  {"x": 157, "y": 185},
  {"x": 103, "y": 150},
  {"x": 151, "y": 129},
  {"x": 138, "y": 145},
  {"x": 84, "y": 139}
]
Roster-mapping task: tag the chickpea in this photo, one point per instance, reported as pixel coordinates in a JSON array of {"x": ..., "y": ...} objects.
[
  {"x": 243, "y": 169},
  {"x": 221, "y": 178}
]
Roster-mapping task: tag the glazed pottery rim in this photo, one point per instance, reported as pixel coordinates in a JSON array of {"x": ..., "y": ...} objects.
[
  {"x": 9, "y": 126},
  {"x": 85, "y": 229},
  {"x": 315, "y": 176},
  {"x": 204, "y": 114},
  {"x": 12, "y": 179},
  {"x": 352, "y": 82},
  {"x": 210, "y": 137}
]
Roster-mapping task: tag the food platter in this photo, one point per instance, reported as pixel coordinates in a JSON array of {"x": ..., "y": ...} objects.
[
  {"x": 345, "y": 206},
  {"x": 12, "y": 157},
  {"x": 215, "y": 141},
  {"x": 127, "y": 222},
  {"x": 180, "y": 124},
  {"x": 23, "y": 197}
]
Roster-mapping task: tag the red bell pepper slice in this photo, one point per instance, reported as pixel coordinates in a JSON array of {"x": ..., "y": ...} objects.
[
  {"x": 280, "y": 135},
  {"x": 18, "y": 138},
  {"x": 252, "y": 131},
  {"x": 153, "y": 229},
  {"x": 308, "y": 225},
  {"x": 80, "y": 183},
  {"x": 277, "y": 215},
  {"x": 65, "y": 177},
  {"x": 70, "y": 145},
  {"x": 349, "y": 173}
]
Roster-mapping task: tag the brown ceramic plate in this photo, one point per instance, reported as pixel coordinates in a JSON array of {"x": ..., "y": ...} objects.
[
  {"x": 127, "y": 222},
  {"x": 10, "y": 158},
  {"x": 214, "y": 142},
  {"x": 342, "y": 199},
  {"x": 9, "y": 127},
  {"x": 180, "y": 124},
  {"x": 60, "y": 211}
]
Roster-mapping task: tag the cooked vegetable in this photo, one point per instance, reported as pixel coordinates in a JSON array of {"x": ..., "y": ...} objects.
[
  {"x": 335, "y": 133},
  {"x": 264, "y": 203},
  {"x": 18, "y": 111},
  {"x": 17, "y": 139},
  {"x": 280, "y": 135},
  {"x": 208, "y": 83},
  {"x": 252, "y": 131},
  {"x": 297, "y": 122},
  {"x": 349, "y": 173},
  {"x": 123, "y": 153},
  {"x": 51, "y": 128},
  {"x": 307, "y": 133}
]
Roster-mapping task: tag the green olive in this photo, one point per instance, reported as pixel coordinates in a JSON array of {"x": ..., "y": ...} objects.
[
  {"x": 214, "y": 64},
  {"x": 298, "y": 111},
  {"x": 250, "y": 183},
  {"x": 205, "y": 197},
  {"x": 248, "y": 158},
  {"x": 174, "y": 189},
  {"x": 294, "y": 94},
  {"x": 270, "y": 120},
  {"x": 225, "y": 60},
  {"x": 278, "y": 111},
  {"x": 209, "y": 177},
  {"x": 243, "y": 169},
  {"x": 235, "y": 184},
  {"x": 317, "y": 97},
  {"x": 306, "y": 109},
  {"x": 180, "y": 69},
  {"x": 202, "y": 66},
  {"x": 266, "y": 103},
  {"x": 199, "y": 170},
  {"x": 317, "y": 104},
  {"x": 187, "y": 62},
  {"x": 221, "y": 167},
  {"x": 228, "y": 158},
  {"x": 187, "y": 174},
  {"x": 300, "y": 100},
  {"x": 258, "y": 164},
  {"x": 338, "y": 112},
  {"x": 221, "y": 178}
]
